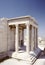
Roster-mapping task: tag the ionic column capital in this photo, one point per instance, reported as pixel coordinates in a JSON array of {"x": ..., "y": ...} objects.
[
  {"x": 27, "y": 24},
  {"x": 17, "y": 25}
]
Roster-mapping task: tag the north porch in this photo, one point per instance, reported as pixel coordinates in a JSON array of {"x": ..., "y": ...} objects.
[{"x": 22, "y": 37}]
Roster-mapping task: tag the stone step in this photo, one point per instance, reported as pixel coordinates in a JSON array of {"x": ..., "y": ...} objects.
[{"x": 31, "y": 57}]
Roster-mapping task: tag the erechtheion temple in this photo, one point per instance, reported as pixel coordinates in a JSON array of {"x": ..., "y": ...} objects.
[{"x": 12, "y": 35}]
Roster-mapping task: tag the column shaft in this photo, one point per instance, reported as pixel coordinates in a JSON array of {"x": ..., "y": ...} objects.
[
  {"x": 23, "y": 35},
  {"x": 28, "y": 37},
  {"x": 17, "y": 38},
  {"x": 32, "y": 41},
  {"x": 36, "y": 37}
]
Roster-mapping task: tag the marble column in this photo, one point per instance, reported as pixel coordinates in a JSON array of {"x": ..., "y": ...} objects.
[
  {"x": 36, "y": 37},
  {"x": 28, "y": 38},
  {"x": 23, "y": 35},
  {"x": 17, "y": 38},
  {"x": 12, "y": 39},
  {"x": 32, "y": 40}
]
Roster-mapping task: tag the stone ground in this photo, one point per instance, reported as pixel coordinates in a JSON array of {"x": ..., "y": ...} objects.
[
  {"x": 14, "y": 62},
  {"x": 11, "y": 61}
]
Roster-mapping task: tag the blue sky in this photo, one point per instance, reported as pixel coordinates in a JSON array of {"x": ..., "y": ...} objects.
[{"x": 15, "y": 8}]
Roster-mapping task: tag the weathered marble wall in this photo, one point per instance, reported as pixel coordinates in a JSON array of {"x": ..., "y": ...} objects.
[
  {"x": 3, "y": 35},
  {"x": 11, "y": 38}
]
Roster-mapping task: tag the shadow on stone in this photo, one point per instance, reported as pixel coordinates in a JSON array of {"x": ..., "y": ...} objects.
[{"x": 5, "y": 58}]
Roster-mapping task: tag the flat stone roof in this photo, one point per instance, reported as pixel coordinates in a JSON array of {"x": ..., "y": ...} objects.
[
  {"x": 21, "y": 17},
  {"x": 24, "y": 17}
]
